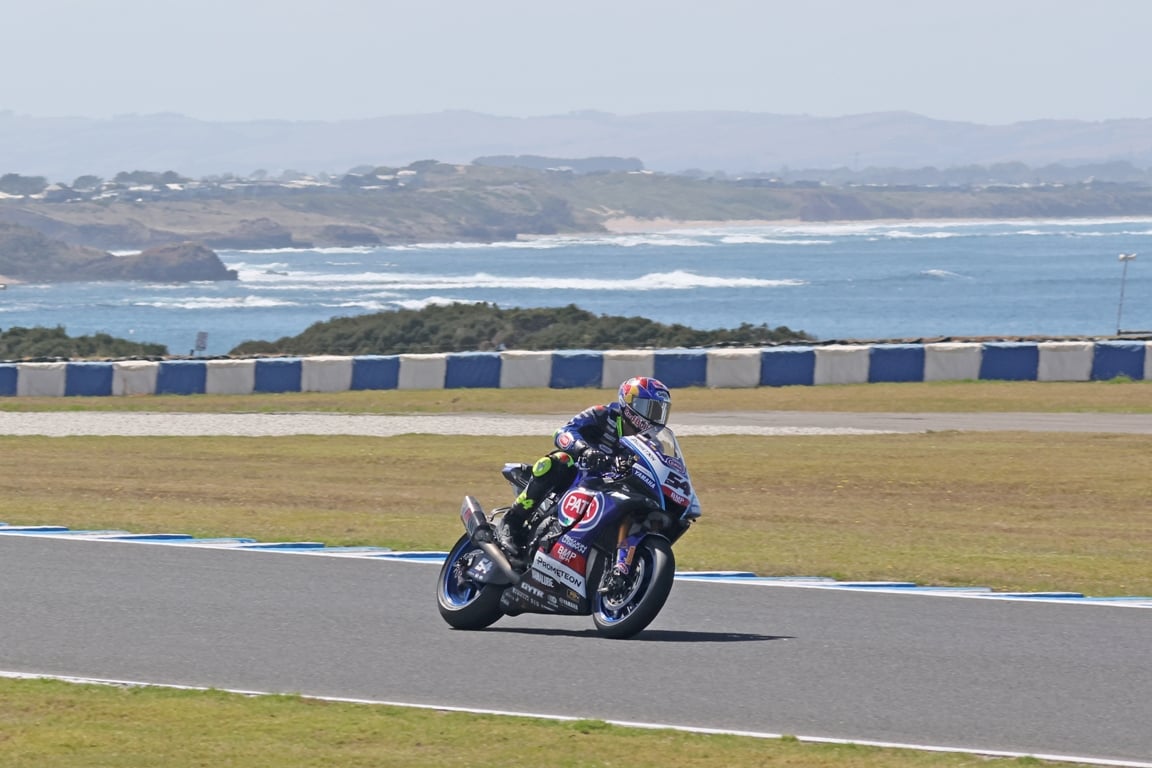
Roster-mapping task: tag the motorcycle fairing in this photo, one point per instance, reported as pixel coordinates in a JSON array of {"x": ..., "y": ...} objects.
[
  {"x": 549, "y": 587},
  {"x": 659, "y": 465}
]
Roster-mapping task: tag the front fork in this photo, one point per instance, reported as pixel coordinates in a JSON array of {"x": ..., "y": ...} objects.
[{"x": 627, "y": 540}]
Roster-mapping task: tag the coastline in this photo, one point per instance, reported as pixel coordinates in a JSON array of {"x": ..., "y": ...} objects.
[{"x": 632, "y": 225}]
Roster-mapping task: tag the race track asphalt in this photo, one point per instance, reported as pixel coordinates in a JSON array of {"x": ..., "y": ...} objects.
[{"x": 1036, "y": 678}]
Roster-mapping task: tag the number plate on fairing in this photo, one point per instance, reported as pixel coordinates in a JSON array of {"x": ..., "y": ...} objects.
[{"x": 658, "y": 465}]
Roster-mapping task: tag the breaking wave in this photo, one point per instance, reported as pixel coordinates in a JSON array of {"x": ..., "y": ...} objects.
[
  {"x": 409, "y": 281},
  {"x": 218, "y": 302},
  {"x": 549, "y": 242},
  {"x": 943, "y": 274}
]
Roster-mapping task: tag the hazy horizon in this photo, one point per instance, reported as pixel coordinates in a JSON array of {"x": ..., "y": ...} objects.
[
  {"x": 987, "y": 62},
  {"x": 170, "y": 113}
]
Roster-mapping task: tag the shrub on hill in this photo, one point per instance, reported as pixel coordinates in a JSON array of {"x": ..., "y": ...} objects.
[
  {"x": 32, "y": 343},
  {"x": 482, "y": 327}
]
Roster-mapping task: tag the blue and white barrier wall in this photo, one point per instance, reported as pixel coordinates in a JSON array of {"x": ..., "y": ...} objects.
[{"x": 722, "y": 368}]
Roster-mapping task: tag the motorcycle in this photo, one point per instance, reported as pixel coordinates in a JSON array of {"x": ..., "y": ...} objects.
[{"x": 602, "y": 547}]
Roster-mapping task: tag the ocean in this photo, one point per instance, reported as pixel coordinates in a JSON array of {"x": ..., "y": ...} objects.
[{"x": 844, "y": 281}]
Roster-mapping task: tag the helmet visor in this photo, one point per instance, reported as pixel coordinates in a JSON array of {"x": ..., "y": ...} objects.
[{"x": 655, "y": 411}]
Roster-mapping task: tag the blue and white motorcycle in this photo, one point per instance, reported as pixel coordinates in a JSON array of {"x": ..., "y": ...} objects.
[{"x": 603, "y": 547}]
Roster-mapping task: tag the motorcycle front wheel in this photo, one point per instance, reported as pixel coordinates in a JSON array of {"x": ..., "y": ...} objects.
[
  {"x": 628, "y": 609},
  {"x": 465, "y": 603}
]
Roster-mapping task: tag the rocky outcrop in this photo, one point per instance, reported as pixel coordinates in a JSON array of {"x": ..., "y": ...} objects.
[
  {"x": 29, "y": 256},
  {"x": 179, "y": 263}
]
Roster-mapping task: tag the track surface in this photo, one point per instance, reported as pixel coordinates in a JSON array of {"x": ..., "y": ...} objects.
[{"x": 972, "y": 674}]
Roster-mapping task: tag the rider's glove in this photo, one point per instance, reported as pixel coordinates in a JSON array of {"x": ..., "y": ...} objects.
[{"x": 594, "y": 460}]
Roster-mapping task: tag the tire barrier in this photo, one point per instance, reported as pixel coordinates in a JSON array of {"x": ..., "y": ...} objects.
[{"x": 721, "y": 368}]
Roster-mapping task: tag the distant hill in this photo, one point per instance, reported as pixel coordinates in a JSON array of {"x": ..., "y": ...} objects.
[
  {"x": 63, "y": 148},
  {"x": 430, "y": 202}
]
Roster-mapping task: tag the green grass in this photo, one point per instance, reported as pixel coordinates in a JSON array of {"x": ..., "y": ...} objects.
[
  {"x": 50, "y": 723},
  {"x": 1007, "y": 510}
]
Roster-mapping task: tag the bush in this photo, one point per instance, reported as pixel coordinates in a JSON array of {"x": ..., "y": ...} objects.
[
  {"x": 483, "y": 327},
  {"x": 28, "y": 343}
]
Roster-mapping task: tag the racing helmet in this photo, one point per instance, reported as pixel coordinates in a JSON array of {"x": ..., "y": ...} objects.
[{"x": 645, "y": 401}]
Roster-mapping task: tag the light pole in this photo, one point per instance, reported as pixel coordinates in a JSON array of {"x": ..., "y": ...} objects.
[{"x": 1124, "y": 259}]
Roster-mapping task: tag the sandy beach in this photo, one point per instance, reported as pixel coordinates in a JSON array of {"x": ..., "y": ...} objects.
[{"x": 628, "y": 225}]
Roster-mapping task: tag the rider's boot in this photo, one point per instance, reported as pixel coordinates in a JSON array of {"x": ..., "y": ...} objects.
[{"x": 512, "y": 532}]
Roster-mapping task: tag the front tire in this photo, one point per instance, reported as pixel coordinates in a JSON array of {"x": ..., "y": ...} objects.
[
  {"x": 625, "y": 612},
  {"x": 464, "y": 603}
]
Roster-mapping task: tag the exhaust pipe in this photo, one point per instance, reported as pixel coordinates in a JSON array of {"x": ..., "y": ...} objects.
[{"x": 481, "y": 534}]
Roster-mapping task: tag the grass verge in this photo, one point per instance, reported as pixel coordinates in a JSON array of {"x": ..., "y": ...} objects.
[
  {"x": 1016, "y": 511},
  {"x": 1119, "y": 396},
  {"x": 51, "y": 723}
]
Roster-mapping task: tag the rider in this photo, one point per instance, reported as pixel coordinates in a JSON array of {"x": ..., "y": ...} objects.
[{"x": 592, "y": 436}]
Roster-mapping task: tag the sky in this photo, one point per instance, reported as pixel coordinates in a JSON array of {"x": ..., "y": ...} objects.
[{"x": 981, "y": 61}]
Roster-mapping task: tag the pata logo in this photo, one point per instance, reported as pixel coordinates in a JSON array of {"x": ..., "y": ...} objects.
[{"x": 578, "y": 506}]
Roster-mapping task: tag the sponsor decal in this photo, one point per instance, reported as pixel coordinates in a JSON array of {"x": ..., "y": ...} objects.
[
  {"x": 564, "y": 440},
  {"x": 644, "y": 475},
  {"x": 514, "y": 598},
  {"x": 641, "y": 469},
  {"x": 572, "y": 543},
  {"x": 559, "y": 571},
  {"x": 579, "y": 509},
  {"x": 677, "y": 488},
  {"x": 569, "y": 557},
  {"x": 564, "y": 554},
  {"x": 569, "y": 604},
  {"x": 676, "y": 496},
  {"x": 677, "y": 482},
  {"x": 536, "y": 591}
]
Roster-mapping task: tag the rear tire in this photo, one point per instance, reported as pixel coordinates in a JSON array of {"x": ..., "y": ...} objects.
[
  {"x": 626, "y": 612},
  {"x": 464, "y": 603}
]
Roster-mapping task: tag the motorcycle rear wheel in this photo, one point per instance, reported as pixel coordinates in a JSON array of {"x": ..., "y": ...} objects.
[
  {"x": 464, "y": 603},
  {"x": 625, "y": 612}
]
